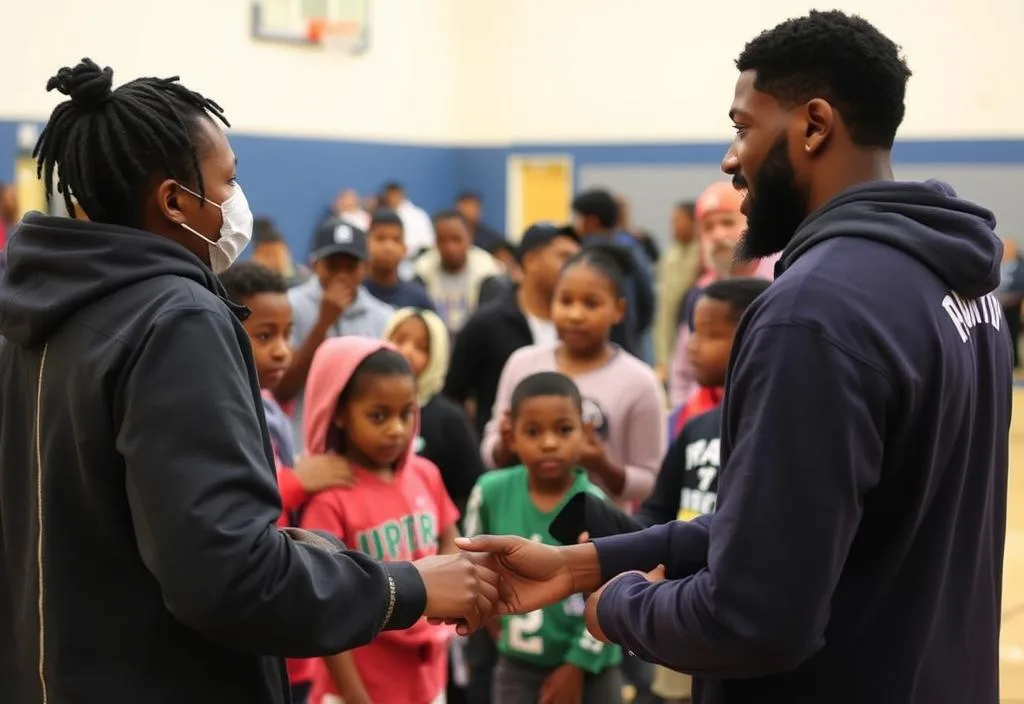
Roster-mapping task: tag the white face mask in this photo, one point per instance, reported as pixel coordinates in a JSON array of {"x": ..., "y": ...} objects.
[{"x": 235, "y": 230}]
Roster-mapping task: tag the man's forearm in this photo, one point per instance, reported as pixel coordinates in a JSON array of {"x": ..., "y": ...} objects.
[
  {"x": 682, "y": 546},
  {"x": 584, "y": 567}
]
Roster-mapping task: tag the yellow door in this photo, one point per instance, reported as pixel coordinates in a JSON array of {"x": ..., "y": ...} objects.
[
  {"x": 545, "y": 192},
  {"x": 30, "y": 190}
]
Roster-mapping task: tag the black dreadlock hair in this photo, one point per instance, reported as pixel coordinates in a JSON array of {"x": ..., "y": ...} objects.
[{"x": 108, "y": 145}]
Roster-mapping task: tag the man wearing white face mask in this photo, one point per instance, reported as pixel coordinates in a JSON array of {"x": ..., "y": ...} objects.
[
  {"x": 140, "y": 560},
  {"x": 235, "y": 229}
]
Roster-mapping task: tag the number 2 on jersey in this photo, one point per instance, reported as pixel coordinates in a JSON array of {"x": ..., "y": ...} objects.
[{"x": 522, "y": 633}]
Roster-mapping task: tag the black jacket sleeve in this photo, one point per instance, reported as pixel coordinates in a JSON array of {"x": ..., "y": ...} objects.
[
  {"x": 460, "y": 454},
  {"x": 493, "y": 288},
  {"x": 644, "y": 289},
  {"x": 201, "y": 490},
  {"x": 662, "y": 505},
  {"x": 467, "y": 353}
]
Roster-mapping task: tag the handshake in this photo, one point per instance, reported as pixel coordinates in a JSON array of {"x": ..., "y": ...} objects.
[{"x": 494, "y": 576}]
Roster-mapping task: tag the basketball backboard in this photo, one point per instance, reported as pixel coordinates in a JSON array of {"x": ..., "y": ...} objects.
[{"x": 342, "y": 25}]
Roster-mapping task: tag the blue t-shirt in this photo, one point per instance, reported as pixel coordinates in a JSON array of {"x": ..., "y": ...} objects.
[{"x": 407, "y": 294}]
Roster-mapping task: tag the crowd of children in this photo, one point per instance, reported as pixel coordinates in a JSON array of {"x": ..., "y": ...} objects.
[{"x": 372, "y": 447}]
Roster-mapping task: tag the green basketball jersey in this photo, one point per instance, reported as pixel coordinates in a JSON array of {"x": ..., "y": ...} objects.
[{"x": 500, "y": 504}]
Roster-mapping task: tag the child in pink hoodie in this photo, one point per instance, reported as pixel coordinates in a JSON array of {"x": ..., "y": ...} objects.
[
  {"x": 265, "y": 294},
  {"x": 361, "y": 404}
]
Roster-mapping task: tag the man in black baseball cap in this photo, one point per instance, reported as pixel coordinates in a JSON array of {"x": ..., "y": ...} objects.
[
  {"x": 337, "y": 236},
  {"x": 331, "y": 304}
]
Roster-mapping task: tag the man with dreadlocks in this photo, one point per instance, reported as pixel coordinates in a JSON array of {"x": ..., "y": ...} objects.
[{"x": 139, "y": 560}]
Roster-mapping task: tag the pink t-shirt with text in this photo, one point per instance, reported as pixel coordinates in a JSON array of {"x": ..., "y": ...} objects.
[{"x": 395, "y": 520}]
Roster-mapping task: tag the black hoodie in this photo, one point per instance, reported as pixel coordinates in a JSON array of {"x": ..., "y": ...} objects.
[
  {"x": 139, "y": 558},
  {"x": 855, "y": 554}
]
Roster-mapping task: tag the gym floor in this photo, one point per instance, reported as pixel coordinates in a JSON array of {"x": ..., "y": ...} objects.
[{"x": 1012, "y": 637}]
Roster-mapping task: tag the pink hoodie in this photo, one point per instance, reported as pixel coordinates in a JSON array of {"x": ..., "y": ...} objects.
[{"x": 400, "y": 519}]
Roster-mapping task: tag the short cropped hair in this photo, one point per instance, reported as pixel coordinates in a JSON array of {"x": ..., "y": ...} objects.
[
  {"x": 264, "y": 231},
  {"x": 738, "y": 293},
  {"x": 837, "y": 57},
  {"x": 545, "y": 384},
  {"x": 385, "y": 216},
  {"x": 598, "y": 203},
  {"x": 247, "y": 279}
]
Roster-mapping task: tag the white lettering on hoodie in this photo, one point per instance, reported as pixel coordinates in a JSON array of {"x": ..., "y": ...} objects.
[{"x": 966, "y": 313}]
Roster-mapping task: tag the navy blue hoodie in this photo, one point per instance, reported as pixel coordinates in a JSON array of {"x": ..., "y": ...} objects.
[{"x": 856, "y": 551}]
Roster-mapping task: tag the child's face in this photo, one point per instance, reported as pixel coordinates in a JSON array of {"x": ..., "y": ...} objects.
[
  {"x": 273, "y": 255},
  {"x": 340, "y": 267},
  {"x": 542, "y": 266},
  {"x": 585, "y": 308},
  {"x": 453, "y": 243},
  {"x": 547, "y": 434},
  {"x": 710, "y": 343},
  {"x": 270, "y": 330},
  {"x": 386, "y": 246},
  {"x": 379, "y": 419},
  {"x": 412, "y": 338}
]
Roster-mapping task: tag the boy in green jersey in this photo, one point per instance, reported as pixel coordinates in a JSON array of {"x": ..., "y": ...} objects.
[{"x": 546, "y": 655}]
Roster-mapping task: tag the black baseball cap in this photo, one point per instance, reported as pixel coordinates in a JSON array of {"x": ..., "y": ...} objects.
[
  {"x": 541, "y": 234},
  {"x": 337, "y": 236}
]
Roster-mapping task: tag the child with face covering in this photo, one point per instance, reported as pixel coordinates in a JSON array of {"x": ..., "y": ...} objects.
[
  {"x": 446, "y": 437},
  {"x": 361, "y": 403}
]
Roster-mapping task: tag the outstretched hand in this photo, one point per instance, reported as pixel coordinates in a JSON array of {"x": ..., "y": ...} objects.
[
  {"x": 532, "y": 574},
  {"x": 590, "y": 612},
  {"x": 460, "y": 591}
]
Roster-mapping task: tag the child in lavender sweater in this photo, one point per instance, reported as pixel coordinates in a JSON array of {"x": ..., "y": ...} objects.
[{"x": 624, "y": 405}]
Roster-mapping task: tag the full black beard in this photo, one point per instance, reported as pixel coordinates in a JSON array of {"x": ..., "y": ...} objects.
[{"x": 778, "y": 209}]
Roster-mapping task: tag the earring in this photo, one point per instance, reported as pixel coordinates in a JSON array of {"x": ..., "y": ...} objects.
[{"x": 807, "y": 147}]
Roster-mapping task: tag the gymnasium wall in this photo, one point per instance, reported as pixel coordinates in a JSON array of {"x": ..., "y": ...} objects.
[
  {"x": 605, "y": 71},
  {"x": 401, "y": 91},
  {"x": 635, "y": 93},
  {"x": 305, "y": 122},
  {"x": 294, "y": 179}
]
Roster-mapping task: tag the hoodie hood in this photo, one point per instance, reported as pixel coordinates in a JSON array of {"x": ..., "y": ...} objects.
[
  {"x": 431, "y": 380},
  {"x": 951, "y": 236},
  {"x": 57, "y": 266},
  {"x": 334, "y": 363}
]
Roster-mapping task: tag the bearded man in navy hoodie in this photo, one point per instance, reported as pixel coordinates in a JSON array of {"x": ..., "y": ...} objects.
[{"x": 856, "y": 551}]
